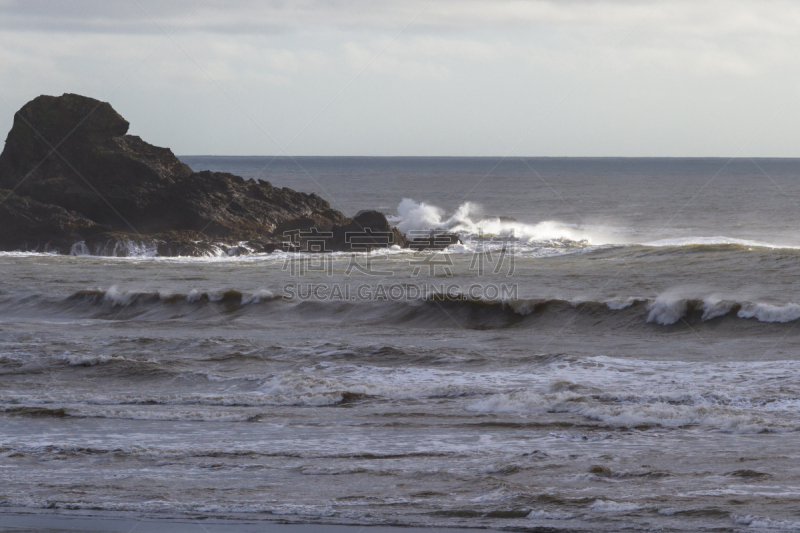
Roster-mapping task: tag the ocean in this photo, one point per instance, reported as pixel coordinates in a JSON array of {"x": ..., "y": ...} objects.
[{"x": 612, "y": 346}]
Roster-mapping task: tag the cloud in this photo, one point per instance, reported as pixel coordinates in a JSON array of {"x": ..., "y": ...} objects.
[
  {"x": 712, "y": 18},
  {"x": 736, "y": 36},
  {"x": 414, "y": 76}
]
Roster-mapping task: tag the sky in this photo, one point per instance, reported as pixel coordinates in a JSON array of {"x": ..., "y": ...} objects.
[{"x": 421, "y": 78}]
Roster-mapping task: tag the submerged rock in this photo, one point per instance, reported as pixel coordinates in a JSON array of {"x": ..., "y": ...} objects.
[{"x": 79, "y": 179}]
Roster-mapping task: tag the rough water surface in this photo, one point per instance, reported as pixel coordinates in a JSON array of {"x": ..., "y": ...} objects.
[{"x": 641, "y": 372}]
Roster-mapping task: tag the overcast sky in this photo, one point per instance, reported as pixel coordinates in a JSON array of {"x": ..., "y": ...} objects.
[{"x": 441, "y": 77}]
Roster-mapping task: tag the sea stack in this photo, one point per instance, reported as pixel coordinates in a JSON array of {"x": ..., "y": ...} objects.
[{"x": 72, "y": 178}]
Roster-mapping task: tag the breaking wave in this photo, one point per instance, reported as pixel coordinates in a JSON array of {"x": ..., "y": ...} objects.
[
  {"x": 468, "y": 220},
  {"x": 598, "y": 393},
  {"x": 477, "y": 230},
  {"x": 436, "y": 309}
]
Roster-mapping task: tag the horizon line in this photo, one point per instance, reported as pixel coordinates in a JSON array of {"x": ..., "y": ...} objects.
[{"x": 746, "y": 158}]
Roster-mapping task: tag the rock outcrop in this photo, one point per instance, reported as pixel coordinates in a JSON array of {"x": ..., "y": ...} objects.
[
  {"x": 26, "y": 224},
  {"x": 366, "y": 231},
  {"x": 72, "y": 151},
  {"x": 72, "y": 175}
]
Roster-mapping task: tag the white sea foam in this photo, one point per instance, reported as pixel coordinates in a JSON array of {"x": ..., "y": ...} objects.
[
  {"x": 139, "y": 249},
  {"x": 261, "y": 295},
  {"x": 620, "y": 392},
  {"x": 194, "y": 295},
  {"x": 79, "y": 248},
  {"x": 209, "y": 415},
  {"x": 155, "y": 506},
  {"x": 614, "y": 507},
  {"x": 711, "y": 241},
  {"x": 19, "y": 253},
  {"x": 539, "y": 514},
  {"x": 622, "y": 303},
  {"x": 629, "y": 393},
  {"x": 770, "y": 313},
  {"x": 714, "y": 307},
  {"x": 86, "y": 359},
  {"x": 115, "y": 297},
  {"x": 616, "y": 392},
  {"x": 665, "y": 310},
  {"x": 550, "y": 237},
  {"x": 336, "y": 471},
  {"x": 468, "y": 220},
  {"x": 725, "y": 418},
  {"x": 497, "y": 495},
  {"x": 670, "y": 307},
  {"x": 408, "y": 383},
  {"x": 758, "y": 522}
]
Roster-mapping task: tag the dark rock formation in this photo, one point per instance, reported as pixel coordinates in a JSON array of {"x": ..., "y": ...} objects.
[
  {"x": 367, "y": 231},
  {"x": 72, "y": 151},
  {"x": 77, "y": 177},
  {"x": 26, "y": 224},
  {"x": 123, "y": 182}
]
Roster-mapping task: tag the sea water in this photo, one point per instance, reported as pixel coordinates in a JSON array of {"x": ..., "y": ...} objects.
[{"x": 613, "y": 345}]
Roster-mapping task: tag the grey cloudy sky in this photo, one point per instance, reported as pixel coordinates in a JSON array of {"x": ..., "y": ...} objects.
[{"x": 441, "y": 77}]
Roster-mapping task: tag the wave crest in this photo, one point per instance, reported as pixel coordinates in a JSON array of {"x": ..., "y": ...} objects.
[{"x": 468, "y": 220}]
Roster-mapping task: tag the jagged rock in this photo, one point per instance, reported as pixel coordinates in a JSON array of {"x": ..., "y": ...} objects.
[
  {"x": 26, "y": 224},
  {"x": 171, "y": 244},
  {"x": 72, "y": 151},
  {"x": 323, "y": 222},
  {"x": 220, "y": 204},
  {"x": 78, "y": 176},
  {"x": 367, "y": 230}
]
